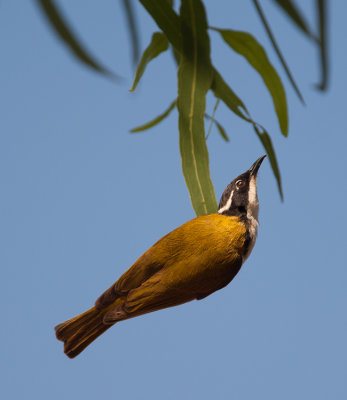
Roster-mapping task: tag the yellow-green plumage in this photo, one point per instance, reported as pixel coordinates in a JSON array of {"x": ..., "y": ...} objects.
[{"x": 193, "y": 261}]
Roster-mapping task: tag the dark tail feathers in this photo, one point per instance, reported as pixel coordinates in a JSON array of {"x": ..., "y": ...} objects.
[{"x": 77, "y": 333}]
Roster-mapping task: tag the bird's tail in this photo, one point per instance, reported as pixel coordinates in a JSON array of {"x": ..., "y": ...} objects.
[{"x": 78, "y": 332}]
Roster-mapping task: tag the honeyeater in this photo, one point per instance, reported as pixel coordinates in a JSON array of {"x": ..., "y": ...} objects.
[{"x": 201, "y": 256}]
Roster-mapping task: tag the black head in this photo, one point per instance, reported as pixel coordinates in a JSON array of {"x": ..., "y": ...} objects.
[{"x": 240, "y": 196}]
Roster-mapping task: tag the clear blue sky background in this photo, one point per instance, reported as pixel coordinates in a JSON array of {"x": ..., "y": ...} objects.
[{"x": 82, "y": 199}]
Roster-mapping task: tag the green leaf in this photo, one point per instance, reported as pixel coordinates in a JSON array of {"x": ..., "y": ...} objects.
[
  {"x": 133, "y": 33},
  {"x": 194, "y": 80},
  {"x": 62, "y": 29},
  {"x": 211, "y": 118},
  {"x": 294, "y": 14},
  {"x": 246, "y": 45},
  {"x": 159, "y": 43},
  {"x": 235, "y": 104},
  {"x": 166, "y": 19},
  {"x": 321, "y": 14},
  {"x": 223, "y": 91},
  {"x": 267, "y": 143},
  {"x": 231, "y": 100},
  {"x": 220, "y": 128},
  {"x": 222, "y": 131},
  {"x": 156, "y": 120},
  {"x": 277, "y": 49}
]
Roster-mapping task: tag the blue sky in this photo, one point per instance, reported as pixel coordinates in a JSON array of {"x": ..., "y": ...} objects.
[{"x": 82, "y": 199}]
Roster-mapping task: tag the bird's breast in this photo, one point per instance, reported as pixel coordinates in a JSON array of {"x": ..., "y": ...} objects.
[{"x": 226, "y": 237}]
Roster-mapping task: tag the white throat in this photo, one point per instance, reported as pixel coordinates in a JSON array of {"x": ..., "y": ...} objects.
[
  {"x": 253, "y": 202},
  {"x": 252, "y": 214}
]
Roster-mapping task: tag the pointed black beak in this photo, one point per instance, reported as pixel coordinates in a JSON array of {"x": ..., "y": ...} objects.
[{"x": 254, "y": 168}]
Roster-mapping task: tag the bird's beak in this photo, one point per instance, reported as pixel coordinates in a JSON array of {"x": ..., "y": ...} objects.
[{"x": 254, "y": 168}]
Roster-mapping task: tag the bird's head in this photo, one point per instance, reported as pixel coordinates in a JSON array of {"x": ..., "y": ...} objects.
[{"x": 240, "y": 197}]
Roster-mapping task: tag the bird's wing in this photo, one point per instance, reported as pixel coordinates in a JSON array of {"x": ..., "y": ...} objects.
[
  {"x": 178, "y": 252},
  {"x": 186, "y": 280},
  {"x": 146, "y": 266}
]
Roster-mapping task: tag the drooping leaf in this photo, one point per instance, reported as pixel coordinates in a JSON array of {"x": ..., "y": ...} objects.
[
  {"x": 294, "y": 14},
  {"x": 158, "y": 44},
  {"x": 156, "y": 120},
  {"x": 223, "y": 92},
  {"x": 166, "y": 19},
  {"x": 235, "y": 104},
  {"x": 322, "y": 40},
  {"x": 222, "y": 131},
  {"x": 132, "y": 27},
  {"x": 211, "y": 118},
  {"x": 267, "y": 143},
  {"x": 65, "y": 33},
  {"x": 276, "y": 47},
  {"x": 220, "y": 128},
  {"x": 194, "y": 80},
  {"x": 246, "y": 45}
]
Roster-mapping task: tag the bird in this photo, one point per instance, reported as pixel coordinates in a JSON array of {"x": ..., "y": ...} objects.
[{"x": 193, "y": 261}]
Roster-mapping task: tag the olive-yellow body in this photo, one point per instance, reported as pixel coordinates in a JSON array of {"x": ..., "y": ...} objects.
[
  {"x": 191, "y": 262},
  {"x": 196, "y": 259}
]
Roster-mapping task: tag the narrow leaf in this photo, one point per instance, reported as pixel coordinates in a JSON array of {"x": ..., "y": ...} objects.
[
  {"x": 159, "y": 43},
  {"x": 277, "y": 49},
  {"x": 222, "y": 131},
  {"x": 294, "y": 14},
  {"x": 223, "y": 91},
  {"x": 322, "y": 17},
  {"x": 166, "y": 19},
  {"x": 267, "y": 143},
  {"x": 246, "y": 45},
  {"x": 156, "y": 120},
  {"x": 212, "y": 118},
  {"x": 133, "y": 33},
  {"x": 220, "y": 128},
  {"x": 194, "y": 80},
  {"x": 65, "y": 33}
]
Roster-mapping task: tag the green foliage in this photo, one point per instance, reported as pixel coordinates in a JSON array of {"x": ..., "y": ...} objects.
[
  {"x": 295, "y": 15},
  {"x": 220, "y": 128},
  {"x": 158, "y": 44},
  {"x": 276, "y": 47},
  {"x": 224, "y": 92},
  {"x": 322, "y": 43},
  {"x": 195, "y": 76},
  {"x": 212, "y": 120},
  {"x": 156, "y": 120},
  {"x": 132, "y": 27},
  {"x": 267, "y": 143},
  {"x": 186, "y": 33},
  {"x": 246, "y": 45},
  {"x": 66, "y": 34}
]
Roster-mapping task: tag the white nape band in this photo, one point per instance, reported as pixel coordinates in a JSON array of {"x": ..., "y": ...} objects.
[{"x": 227, "y": 205}]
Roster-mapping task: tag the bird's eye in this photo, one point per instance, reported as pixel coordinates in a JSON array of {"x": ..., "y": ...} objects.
[{"x": 240, "y": 184}]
